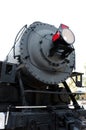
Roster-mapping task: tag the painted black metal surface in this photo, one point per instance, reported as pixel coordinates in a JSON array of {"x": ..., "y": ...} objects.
[
  {"x": 48, "y": 119},
  {"x": 30, "y": 94}
]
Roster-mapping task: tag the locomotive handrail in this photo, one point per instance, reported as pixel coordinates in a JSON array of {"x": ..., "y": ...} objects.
[
  {"x": 18, "y": 37},
  {"x": 51, "y": 92}
]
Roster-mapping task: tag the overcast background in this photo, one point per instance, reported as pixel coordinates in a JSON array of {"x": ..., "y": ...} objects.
[{"x": 16, "y": 13}]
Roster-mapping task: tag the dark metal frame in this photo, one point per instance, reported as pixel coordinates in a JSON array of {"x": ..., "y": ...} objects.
[{"x": 38, "y": 117}]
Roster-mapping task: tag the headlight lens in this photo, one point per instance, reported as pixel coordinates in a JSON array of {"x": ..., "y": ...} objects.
[{"x": 68, "y": 36}]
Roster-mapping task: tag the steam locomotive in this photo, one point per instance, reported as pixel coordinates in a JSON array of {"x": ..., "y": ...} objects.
[{"x": 34, "y": 93}]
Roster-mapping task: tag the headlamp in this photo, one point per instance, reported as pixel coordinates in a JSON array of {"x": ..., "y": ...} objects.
[{"x": 68, "y": 36}]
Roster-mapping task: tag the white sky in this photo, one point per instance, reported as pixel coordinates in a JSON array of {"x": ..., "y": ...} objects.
[{"x": 16, "y": 13}]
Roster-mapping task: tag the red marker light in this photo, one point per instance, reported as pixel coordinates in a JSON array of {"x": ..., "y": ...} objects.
[
  {"x": 63, "y": 26},
  {"x": 56, "y": 36}
]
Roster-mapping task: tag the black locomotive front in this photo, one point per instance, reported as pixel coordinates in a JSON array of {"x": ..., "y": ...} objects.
[
  {"x": 30, "y": 94},
  {"x": 46, "y": 54}
]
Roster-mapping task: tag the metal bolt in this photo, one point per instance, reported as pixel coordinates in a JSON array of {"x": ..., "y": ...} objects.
[{"x": 40, "y": 42}]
